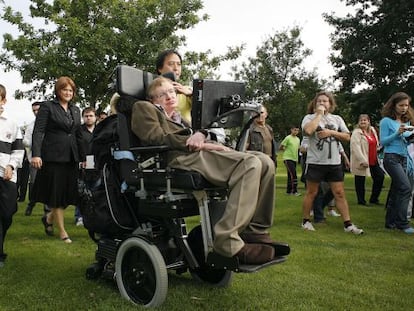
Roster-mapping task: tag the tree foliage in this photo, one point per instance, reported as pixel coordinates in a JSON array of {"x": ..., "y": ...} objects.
[
  {"x": 86, "y": 39},
  {"x": 277, "y": 75},
  {"x": 374, "y": 52}
]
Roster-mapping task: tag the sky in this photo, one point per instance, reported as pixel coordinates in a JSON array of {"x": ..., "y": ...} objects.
[{"x": 231, "y": 23}]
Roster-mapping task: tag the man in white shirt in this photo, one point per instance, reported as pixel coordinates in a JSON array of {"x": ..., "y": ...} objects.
[
  {"x": 27, "y": 143},
  {"x": 11, "y": 158}
]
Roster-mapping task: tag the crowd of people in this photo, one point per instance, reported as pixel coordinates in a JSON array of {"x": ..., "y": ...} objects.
[{"x": 58, "y": 144}]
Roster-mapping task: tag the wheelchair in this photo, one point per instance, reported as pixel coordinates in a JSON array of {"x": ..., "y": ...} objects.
[{"x": 148, "y": 203}]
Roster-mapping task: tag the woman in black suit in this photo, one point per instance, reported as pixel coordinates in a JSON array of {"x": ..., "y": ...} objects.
[{"x": 56, "y": 154}]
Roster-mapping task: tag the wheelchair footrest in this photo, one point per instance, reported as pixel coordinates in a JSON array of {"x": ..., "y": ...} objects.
[
  {"x": 218, "y": 261},
  {"x": 255, "y": 268}
]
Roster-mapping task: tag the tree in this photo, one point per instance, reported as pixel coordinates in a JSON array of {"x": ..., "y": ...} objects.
[
  {"x": 277, "y": 75},
  {"x": 86, "y": 39},
  {"x": 373, "y": 52}
]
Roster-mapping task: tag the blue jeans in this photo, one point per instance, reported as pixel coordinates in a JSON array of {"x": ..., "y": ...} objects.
[
  {"x": 322, "y": 199},
  {"x": 400, "y": 191}
]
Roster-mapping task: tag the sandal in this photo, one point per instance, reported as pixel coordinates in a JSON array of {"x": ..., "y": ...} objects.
[
  {"x": 66, "y": 240},
  {"x": 48, "y": 227}
]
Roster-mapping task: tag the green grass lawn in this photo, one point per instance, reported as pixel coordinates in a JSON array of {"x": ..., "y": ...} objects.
[{"x": 327, "y": 269}]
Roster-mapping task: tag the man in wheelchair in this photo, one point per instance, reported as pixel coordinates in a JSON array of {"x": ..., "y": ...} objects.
[{"x": 242, "y": 230}]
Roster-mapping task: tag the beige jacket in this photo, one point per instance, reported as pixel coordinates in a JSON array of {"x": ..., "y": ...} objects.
[{"x": 359, "y": 152}]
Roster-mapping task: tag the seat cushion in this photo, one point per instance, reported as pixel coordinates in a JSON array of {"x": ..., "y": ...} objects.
[{"x": 180, "y": 179}]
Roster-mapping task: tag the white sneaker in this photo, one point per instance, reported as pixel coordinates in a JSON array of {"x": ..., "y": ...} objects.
[
  {"x": 308, "y": 226},
  {"x": 354, "y": 229},
  {"x": 333, "y": 213},
  {"x": 79, "y": 222}
]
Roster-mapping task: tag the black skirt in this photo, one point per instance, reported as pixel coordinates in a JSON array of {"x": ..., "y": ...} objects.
[{"x": 56, "y": 184}]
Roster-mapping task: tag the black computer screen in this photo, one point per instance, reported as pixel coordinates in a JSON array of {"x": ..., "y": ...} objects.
[{"x": 209, "y": 102}]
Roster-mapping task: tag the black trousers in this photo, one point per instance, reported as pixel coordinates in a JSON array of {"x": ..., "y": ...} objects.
[
  {"x": 292, "y": 178},
  {"x": 22, "y": 180},
  {"x": 377, "y": 175},
  {"x": 8, "y": 207}
]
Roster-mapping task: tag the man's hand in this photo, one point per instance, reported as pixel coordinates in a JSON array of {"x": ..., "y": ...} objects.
[
  {"x": 196, "y": 141},
  {"x": 216, "y": 147}
]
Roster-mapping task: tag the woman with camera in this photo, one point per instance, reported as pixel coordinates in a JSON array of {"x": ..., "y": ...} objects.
[
  {"x": 394, "y": 130},
  {"x": 323, "y": 162}
]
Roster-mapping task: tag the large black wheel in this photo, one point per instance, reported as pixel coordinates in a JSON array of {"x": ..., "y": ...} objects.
[
  {"x": 216, "y": 277},
  {"x": 141, "y": 273}
]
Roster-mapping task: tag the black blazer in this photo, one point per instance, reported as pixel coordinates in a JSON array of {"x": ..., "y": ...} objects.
[{"x": 56, "y": 134}]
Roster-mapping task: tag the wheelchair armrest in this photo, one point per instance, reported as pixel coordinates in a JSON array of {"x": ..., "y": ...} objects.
[{"x": 150, "y": 149}]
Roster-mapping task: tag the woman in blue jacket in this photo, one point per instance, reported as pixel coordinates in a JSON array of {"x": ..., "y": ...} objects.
[{"x": 394, "y": 130}]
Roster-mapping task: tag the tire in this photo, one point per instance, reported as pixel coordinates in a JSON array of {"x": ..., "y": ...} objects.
[
  {"x": 206, "y": 274},
  {"x": 140, "y": 273}
]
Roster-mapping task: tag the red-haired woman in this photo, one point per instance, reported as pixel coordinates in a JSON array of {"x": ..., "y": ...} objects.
[{"x": 56, "y": 155}]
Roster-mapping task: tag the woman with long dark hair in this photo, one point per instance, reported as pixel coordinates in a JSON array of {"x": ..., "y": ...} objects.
[{"x": 394, "y": 131}]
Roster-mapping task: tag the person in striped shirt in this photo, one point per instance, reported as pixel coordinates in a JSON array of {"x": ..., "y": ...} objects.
[{"x": 11, "y": 158}]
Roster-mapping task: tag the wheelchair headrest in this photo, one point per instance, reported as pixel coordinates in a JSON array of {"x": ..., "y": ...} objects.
[
  {"x": 133, "y": 82},
  {"x": 130, "y": 81}
]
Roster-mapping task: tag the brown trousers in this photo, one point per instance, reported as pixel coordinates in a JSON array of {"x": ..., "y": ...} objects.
[{"x": 251, "y": 182}]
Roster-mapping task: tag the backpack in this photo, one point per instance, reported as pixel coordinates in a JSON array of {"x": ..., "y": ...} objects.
[{"x": 104, "y": 208}]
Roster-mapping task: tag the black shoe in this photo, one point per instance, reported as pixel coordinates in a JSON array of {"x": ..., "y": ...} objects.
[
  {"x": 29, "y": 210},
  {"x": 48, "y": 227},
  {"x": 2, "y": 259},
  {"x": 362, "y": 203},
  {"x": 375, "y": 202}
]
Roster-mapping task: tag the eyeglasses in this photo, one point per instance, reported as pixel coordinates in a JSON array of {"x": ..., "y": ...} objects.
[{"x": 168, "y": 92}]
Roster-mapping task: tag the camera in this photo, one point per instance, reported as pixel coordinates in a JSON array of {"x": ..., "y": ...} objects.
[
  {"x": 328, "y": 127},
  {"x": 410, "y": 139}
]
